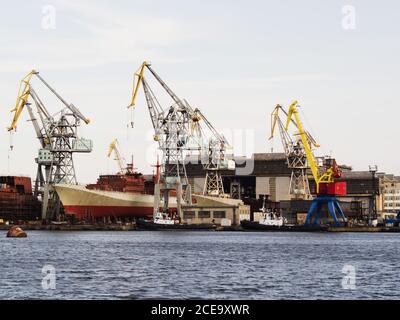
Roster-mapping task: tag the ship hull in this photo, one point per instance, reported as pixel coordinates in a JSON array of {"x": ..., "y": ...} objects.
[{"x": 93, "y": 204}]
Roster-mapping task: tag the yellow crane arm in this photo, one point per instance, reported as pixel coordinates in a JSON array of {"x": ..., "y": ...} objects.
[
  {"x": 275, "y": 117},
  {"x": 22, "y": 99},
  {"x": 113, "y": 148},
  {"x": 136, "y": 83},
  {"x": 303, "y": 136}
]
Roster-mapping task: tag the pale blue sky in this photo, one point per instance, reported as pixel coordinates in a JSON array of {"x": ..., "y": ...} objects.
[{"x": 234, "y": 59}]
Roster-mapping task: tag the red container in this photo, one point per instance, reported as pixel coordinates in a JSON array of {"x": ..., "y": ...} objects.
[{"x": 333, "y": 189}]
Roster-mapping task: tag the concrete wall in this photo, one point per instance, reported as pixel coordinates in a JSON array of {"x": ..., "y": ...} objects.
[
  {"x": 282, "y": 188},
  {"x": 276, "y": 187},
  {"x": 262, "y": 186}
]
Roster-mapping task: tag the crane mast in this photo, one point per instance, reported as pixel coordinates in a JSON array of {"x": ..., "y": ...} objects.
[{"x": 58, "y": 138}]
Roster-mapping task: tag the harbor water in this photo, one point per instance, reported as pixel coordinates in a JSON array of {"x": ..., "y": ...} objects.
[{"x": 200, "y": 265}]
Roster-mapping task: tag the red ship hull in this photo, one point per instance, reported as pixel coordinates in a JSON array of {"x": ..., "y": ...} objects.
[{"x": 82, "y": 212}]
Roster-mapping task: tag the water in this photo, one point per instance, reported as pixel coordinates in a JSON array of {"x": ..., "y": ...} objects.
[{"x": 199, "y": 265}]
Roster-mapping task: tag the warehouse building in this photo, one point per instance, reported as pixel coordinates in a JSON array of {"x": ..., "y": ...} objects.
[{"x": 267, "y": 174}]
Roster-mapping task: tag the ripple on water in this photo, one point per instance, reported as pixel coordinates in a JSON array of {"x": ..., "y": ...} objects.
[{"x": 201, "y": 265}]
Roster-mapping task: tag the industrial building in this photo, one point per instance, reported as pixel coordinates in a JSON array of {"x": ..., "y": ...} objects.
[
  {"x": 218, "y": 211},
  {"x": 270, "y": 177},
  {"x": 389, "y": 200}
]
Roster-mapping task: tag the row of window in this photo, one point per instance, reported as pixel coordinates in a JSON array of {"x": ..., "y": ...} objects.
[
  {"x": 204, "y": 214},
  {"x": 394, "y": 204},
  {"x": 392, "y": 198},
  {"x": 392, "y": 191}
]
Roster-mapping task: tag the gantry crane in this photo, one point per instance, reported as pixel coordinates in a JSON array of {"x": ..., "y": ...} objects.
[
  {"x": 178, "y": 130},
  {"x": 324, "y": 176},
  {"x": 123, "y": 168},
  {"x": 172, "y": 132},
  {"x": 296, "y": 157},
  {"x": 58, "y": 137}
]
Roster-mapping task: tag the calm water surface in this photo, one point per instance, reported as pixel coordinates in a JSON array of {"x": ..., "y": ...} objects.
[{"x": 199, "y": 265}]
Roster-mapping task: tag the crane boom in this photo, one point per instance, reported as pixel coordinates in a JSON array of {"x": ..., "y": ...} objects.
[
  {"x": 166, "y": 87},
  {"x": 307, "y": 147},
  {"x": 25, "y": 90},
  {"x": 22, "y": 99},
  {"x": 137, "y": 80}
]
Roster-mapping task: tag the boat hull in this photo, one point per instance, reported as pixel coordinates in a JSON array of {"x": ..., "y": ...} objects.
[
  {"x": 150, "y": 225},
  {"x": 255, "y": 226},
  {"x": 84, "y": 203}
]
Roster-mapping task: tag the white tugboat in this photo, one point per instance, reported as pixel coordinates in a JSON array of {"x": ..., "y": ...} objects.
[
  {"x": 272, "y": 220},
  {"x": 164, "y": 220},
  {"x": 270, "y": 217}
]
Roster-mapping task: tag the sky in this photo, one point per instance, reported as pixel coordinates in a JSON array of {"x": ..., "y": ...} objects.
[{"x": 233, "y": 59}]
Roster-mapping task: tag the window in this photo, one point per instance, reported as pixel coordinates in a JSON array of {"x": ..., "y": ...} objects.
[
  {"x": 204, "y": 214},
  {"x": 189, "y": 215},
  {"x": 219, "y": 214}
]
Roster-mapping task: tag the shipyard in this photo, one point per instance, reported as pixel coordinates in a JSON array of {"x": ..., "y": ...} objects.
[
  {"x": 198, "y": 183},
  {"x": 199, "y": 155}
]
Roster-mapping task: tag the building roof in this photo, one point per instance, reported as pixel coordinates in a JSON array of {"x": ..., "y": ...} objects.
[
  {"x": 357, "y": 175},
  {"x": 269, "y": 157}
]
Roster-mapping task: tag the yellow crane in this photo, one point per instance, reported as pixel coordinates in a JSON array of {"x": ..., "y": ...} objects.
[
  {"x": 324, "y": 176},
  {"x": 113, "y": 148},
  {"x": 296, "y": 159}
]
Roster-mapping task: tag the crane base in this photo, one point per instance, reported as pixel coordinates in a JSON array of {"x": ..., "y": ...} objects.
[{"x": 333, "y": 208}]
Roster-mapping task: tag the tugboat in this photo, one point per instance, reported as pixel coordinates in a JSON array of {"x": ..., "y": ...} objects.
[
  {"x": 164, "y": 221},
  {"x": 272, "y": 220}
]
